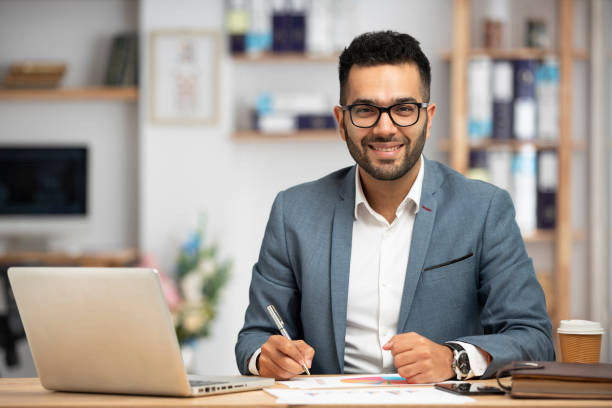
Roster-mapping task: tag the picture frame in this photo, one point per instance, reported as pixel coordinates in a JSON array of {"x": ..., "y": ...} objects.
[{"x": 185, "y": 77}]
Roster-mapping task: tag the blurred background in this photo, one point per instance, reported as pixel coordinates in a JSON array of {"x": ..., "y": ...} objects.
[{"x": 158, "y": 133}]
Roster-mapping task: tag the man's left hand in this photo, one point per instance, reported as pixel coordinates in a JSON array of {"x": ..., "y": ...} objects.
[{"x": 420, "y": 360}]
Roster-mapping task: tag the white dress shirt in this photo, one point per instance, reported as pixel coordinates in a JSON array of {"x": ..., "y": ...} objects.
[{"x": 379, "y": 258}]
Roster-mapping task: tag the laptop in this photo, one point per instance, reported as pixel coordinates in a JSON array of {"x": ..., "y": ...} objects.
[{"x": 108, "y": 330}]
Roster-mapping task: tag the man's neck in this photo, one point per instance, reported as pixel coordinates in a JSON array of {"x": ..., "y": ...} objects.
[{"x": 385, "y": 196}]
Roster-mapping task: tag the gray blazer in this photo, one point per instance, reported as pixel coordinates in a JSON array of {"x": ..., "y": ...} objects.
[{"x": 468, "y": 277}]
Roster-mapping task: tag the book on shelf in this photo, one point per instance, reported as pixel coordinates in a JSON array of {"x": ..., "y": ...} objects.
[
  {"x": 122, "y": 66},
  {"x": 547, "y": 189},
  {"x": 549, "y": 379},
  {"x": 524, "y": 188},
  {"x": 524, "y": 100},
  {"x": 503, "y": 97},
  {"x": 478, "y": 169},
  {"x": 547, "y": 94},
  {"x": 499, "y": 166},
  {"x": 480, "y": 105}
]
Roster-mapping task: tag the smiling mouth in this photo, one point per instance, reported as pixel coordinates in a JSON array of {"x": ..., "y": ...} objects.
[{"x": 385, "y": 148}]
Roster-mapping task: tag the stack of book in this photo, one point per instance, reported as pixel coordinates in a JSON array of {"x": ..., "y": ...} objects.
[{"x": 35, "y": 75}]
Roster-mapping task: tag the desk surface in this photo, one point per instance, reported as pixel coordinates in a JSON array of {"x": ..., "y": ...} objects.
[{"x": 27, "y": 392}]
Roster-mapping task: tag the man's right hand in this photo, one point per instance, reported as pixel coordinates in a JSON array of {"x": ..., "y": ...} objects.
[{"x": 282, "y": 359}]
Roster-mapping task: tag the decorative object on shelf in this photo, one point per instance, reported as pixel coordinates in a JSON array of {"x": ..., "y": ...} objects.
[
  {"x": 122, "y": 66},
  {"x": 200, "y": 276},
  {"x": 185, "y": 77},
  {"x": 536, "y": 35},
  {"x": 35, "y": 74},
  {"x": 494, "y": 23}
]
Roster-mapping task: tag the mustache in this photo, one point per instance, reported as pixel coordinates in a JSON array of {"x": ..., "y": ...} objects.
[{"x": 380, "y": 139}]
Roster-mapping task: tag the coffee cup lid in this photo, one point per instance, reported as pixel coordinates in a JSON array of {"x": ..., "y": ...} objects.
[{"x": 580, "y": 327}]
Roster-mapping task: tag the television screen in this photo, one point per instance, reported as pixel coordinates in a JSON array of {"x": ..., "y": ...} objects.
[{"x": 38, "y": 180}]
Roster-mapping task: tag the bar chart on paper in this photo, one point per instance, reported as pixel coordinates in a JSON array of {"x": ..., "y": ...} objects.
[
  {"x": 376, "y": 380},
  {"x": 346, "y": 381}
]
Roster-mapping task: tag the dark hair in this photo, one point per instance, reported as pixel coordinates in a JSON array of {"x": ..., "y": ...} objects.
[{"x": 384, "y": 47}]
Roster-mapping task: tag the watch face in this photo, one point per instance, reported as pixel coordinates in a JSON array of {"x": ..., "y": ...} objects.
[{"x": 463, "y": 363}]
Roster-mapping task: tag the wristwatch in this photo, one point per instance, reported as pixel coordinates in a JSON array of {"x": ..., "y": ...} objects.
[{"x": 461, "y": 362}]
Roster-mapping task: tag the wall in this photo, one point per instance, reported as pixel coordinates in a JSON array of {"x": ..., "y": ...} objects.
[
  {"x": 189, "y": 170},
  {"x": 78, "y": 33}
]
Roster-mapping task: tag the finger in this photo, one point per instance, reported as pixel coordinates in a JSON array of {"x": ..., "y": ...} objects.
[
  {"x": 292, "y": 350},
  {"x": 268, "y": 368},
  {"x": 306, "y": 351},
  {"x": 276, "y": 350},
  {"x": 410, "y": 372},
  {"x": 405, "y": 358}
]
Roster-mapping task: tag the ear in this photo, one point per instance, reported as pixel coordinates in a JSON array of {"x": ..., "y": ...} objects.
[
  {"x": 339, "y": 115},
  {"x": 431, "y": 112}
]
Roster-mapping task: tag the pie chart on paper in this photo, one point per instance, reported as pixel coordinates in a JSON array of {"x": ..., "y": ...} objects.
[{"x": 376, "y": 380}]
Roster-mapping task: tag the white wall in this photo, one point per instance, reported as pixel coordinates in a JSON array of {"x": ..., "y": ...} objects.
[
  {"x": 189, "y": 170},
  {"x": 78, "y": 33}
]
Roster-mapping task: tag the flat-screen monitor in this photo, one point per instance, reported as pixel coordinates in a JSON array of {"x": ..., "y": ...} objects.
[{"x": 43, "y": 181}]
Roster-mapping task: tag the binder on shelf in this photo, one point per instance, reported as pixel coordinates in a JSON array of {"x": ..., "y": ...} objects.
[
  {"x": 547, "y": 189},
  {"x": 478, "y": 166},
  {"x": 525, "y": 190},
  {"x": 547, "y": 91},
  {"x": 499, "y": 165},
  {"x": 524, "y": 100},
  {"x": 237, "y": 25},
  {"x": 503, "y": 96},
  {"x": 480, "y": 115},
  {"x": 259, "y": 35}
]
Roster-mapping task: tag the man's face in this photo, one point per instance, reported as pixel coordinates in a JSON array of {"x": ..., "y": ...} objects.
[{"x": 385, "y": 151}]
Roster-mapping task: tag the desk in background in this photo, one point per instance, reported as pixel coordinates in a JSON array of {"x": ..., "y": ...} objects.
[{"x": 27, "y": 392}]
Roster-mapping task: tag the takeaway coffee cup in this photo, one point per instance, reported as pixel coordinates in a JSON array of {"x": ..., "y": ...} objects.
[{"x": 580, "y": 341}]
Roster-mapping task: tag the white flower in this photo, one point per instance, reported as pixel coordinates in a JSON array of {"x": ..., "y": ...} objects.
[
  {"x": 191, "y": 286},
  {"x": 206, "y": 267}
]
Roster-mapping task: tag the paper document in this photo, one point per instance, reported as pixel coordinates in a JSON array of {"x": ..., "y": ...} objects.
[
  {"x": 348, "y": 381},
  {"x": 379, "y": 396}
]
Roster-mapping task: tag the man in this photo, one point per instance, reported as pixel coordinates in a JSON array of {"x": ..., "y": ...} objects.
[{"x": 397, "y": 263}]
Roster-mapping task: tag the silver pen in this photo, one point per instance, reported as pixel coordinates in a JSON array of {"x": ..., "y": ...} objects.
[{"x": 280, "y": 325}]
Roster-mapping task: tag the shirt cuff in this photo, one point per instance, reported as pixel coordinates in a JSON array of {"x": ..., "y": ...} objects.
[
  {"x": 478, "y": 360},
  {"x": 253, "y": 362}
]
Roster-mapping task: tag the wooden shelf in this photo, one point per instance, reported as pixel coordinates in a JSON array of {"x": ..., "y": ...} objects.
[
  {"x": 297, "y": 135},
  {"x": 486, "y": 144},
  {"x": 542, "y": 236},
  {"x": 129, "y": 94},
  {"x": 517, "y": 53},
  {"x": 289, "y": 57}
]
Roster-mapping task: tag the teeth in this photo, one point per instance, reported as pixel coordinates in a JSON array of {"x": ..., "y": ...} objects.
[{"x": 386, "y": 149}]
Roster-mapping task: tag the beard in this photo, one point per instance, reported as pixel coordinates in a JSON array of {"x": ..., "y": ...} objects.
[{"x": 386, "y": 172}]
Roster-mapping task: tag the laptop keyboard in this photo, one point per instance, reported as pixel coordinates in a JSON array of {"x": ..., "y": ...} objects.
[{"x": 199, "y": 383}]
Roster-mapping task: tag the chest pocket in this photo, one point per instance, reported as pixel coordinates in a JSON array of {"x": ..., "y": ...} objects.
[{"x": 449, "y": 270}]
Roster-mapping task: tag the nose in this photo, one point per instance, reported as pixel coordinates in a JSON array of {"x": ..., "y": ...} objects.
[{"x": 385, "y": 125}]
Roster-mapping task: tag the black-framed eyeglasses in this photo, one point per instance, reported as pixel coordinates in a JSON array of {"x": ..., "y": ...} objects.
[{"x": 364, "y": 115}]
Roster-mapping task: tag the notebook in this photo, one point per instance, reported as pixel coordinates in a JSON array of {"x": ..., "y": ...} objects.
[
  {"x": 108, "y": 330},
  {"x": 549, "y": 379}
]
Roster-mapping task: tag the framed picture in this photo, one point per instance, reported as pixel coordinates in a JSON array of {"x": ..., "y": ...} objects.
[{"x": 184, "y": 81}]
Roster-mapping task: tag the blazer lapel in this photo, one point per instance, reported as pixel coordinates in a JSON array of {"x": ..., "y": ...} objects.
[
  {"x": 421, "y": 235},
  {"x": 342, "y": 236}
]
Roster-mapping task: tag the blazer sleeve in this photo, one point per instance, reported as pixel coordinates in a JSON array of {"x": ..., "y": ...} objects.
[
  {"x": 513, "y": 307},
  {"x": 272, "y": 282}
]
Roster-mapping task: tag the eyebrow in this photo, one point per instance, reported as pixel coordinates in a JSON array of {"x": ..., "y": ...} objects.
[{"x": 395, "y": 101}]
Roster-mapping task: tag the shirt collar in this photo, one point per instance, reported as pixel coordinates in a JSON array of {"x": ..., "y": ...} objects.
[{"x": 413, "y": 196}]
